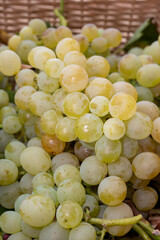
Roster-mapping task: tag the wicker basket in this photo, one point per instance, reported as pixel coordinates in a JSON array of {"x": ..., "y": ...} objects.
[{"x": 126, "y": 15}]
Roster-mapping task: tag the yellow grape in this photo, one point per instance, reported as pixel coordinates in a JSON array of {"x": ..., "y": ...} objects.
[
  {"x": 114, "y": 128},
  {"x": 83, "y": 42},
  {"x": 99, "y": 106},
  {"x": 49, "y": 38},
  {"x": 37, "y": 25},
  {"x": 53, "y": 67},
  {"x": 90, "y": 31},
  {"x": 125, "y": 87},
  {"x": 22, "y": 97},
  {"x": 66, "y": 45},
  {"x": 97, "y": 66},
  {"x": 62, "y": 32},
  {"x": 75, "y": 57},
  {"x": 113, "y": 36},
  {"x": 13, "y": 42},
  {"x": 99, "y": 45}
]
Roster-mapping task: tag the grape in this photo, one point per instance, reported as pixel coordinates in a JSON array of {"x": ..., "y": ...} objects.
[
  {"x": 99, "y": 106},
  {"x": 10, "y": 222},
  {"x": 148, "y": 75},
  {"x": 107, "y": 150},
  {"x": 147, "y": 145},
  {"x": 139, "y": 126},
  {"x": 13, "y": 151},
  {"x": 26, "y": 117},
  {"x": 145, "y": 199},
  {"x": 19, "y": 200},
  {"x": 112, "y": 190},
  {"x": 97, "y": 66},
  {"x": 85, "y": 231},
  {"x": 53, "y": 67},
  {"x": 18, "y": 236},
  {"x": 5, "y": 138},
  {"x": 30, "y": 231},
  {"x": 39, "y": 162},
  {"x": 113, "y": 62},
  {"x": 29, "y": 131},
  {"x": 13, "y": 42},
  {"x": 92, "y": 204},
  {"x": 138, "y": 183},
  {"x": 129, "y": 66},
  {"x": 118, "y": 212},
  {"x": 146, "y": 165},
  {"x": 125, "y": 87},
  {"x": 153, "y": 50},
  {"x": 146, "y": 59},
  {"x": 43, "y": 178},
  {"x": 155, "y": 91},
  {"x": 37, "y": 210},
  {"x": 7, "y": 111},
  {"x": 83, "y": 42},
  {"x": 73, "y": 78},
  {"x": 26, "y": 32},
  {"x": 49, "y": 38},
  {"x": 100, "y": 44},
  {"x": 144, "y": 94},
  {"x": 114, "y": 128},
  {"x": 69, "y": 214},
  {"x": 62, "y": 32},
  {"x": 148, "y": 108},
  {"x": 136, "y": 50},
  {"x": 93, "y": 171},
  {"x": 66, "y": 45},
  {"x": 46, "y": 83},
  {"x": 26, "y": 183},
  {"x": 3, "y": 47},
  {"x": 89, "y": 52},
  {"x": 75, "y": 57},
  {"x": 71, "y": 190},
  {"x": 88, "y": 127},
  {"x": 54, "y": 231},
  {"x": 38, "y": 26},
  {"x": 8, "y": 172},
  {"x": 11, "y": 124},
  {"x": 113, "y": 36},
  {"x": 90, "y": 145},
  {"x": 101, "y": 211},
  {"x": 99, "y": 87},
  {"x": 75, "y": 104},
  {"x": 121, "y": 168},
  {"x": 4, "y": 98},
  {"x": 35, "y": 141},
  {"x": 25, "y": 77},
  {"x": 39, "y": 102},
  {"x": 115, "y": 77},
  {"x": 81, "y": 151},
  {"x": 64, "y": 158},
  {"x": 90, "y": 31},
  {"x": 57, "y": 99},
  {"x": 10, "y": 63},
  {"x": 22, "y": 97},
  {"x": 52, "y": 144},
  {"x": 8, "y": 194},
  {"x": 24, "y": 48},
  {"x": 48, "y": 191},
  {"x": 156, "y": 130}
]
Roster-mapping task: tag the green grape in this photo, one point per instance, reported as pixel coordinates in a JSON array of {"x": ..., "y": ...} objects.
[
  {"x": 71, "y": 190},
  {"x": 125, "y": 87},
  {"x": 121, "y": 168},
  {"x": 113, "y": 36},
  {"x": 75, "y": 57},
  {"x": 139, "y": 126},
  {"x": 81, "y": 151},
  {"x": 57, "y": 99},
  {"x": 65, "y": 129},
  {"x": 53, "y": 67},
  {"x": 122, "y": 106},
  {"x": 75, "y": 104},
  {"x": 89, "y": 127},
  {"x": 101, "y": 211},
  {"x": 136, "y": 50},
  {"x": 66, "y": 171},
  {"x": 113, "y": 62},
  {"x": 100, "y": 44},
  {"x": 99, "y": 106},
  {"x": 13, "y": 42},
  {"x": 138, "y": 183},
  {"x": 26, "y": 183},
  {"x": 49, "y": 38},
  {"x": 90, "y": 146},
  {"x": 115, "y": 77},
  {"x": 8, "y": 172},
  {"x": 49, "y": 121},
  {"x": 69, "y": 214},
  {"x": 118, "y": 212},
  {"x": 39, "y": 162},
  {"x": 145, "y": 199},
  {"x": 39, "y": 102},
  {"x": 11, "y": 124},
  {"x": 85, "y": 231},
  {"x": 43, "y": 178},
  {"x": 89, "y": 52},
  {"x": 66, "y": 45},
  {"x": 32, "y": 232},
  {"x": 7, "y": 111},
  {"x": 24, "y": 48},
  {"x": 97, "y": 66},
  {"x": 35, "y": 141},
  {"x": 93, "y": 171},
  {"x": 114, "y": 128},
  {"x": 92, "y": 203},
  {"x": 29, "y": 131},
  {"x": 46, "y": 83},
  {"x": 129, "y": 66},
  {"x": 38, "y": 26},
  {"x": 37, "y": 210},
  {"x": 153, "y": 50},
  {"x": 146, "y": 165},
  {"x": 22, "y": 97},
  {"x": 4, "y": 47},
  {"x": 10, "y": 63},
  {"x": 146, "y": 59},
  {"x": 26, "y": 117},
  {"x": 13, "y": 151},
  {"x": 73, "y": 78},
  {"x": 155, "y": 91},
  {"x": 5, "y": 138},
  {"x": 62, "y": 32},
  {"x": 149, "y": 75},
  {"x": 107, "y": 150},
  {"x": 156, "y": 130},
  {"x": 26, "y": 33},
  {"x": 25, "y": 77},
  {"x": 99, "y": 87},
  {"x": 4, "y": 98},
  {"x": 54, "y": 230},
  {"x": 144, "y": 93},
  {"x": 83, "y": 42},
  {"x": 48, "y": 191},
  {"x": 64, "y": 158},
  {"x": 129, "y": 147},
  {"x": 18, "y": 236},
  {"x": 10, "y": 222},
  {"x": 147, "y": 145},
  {"x": 148, "y": 108},
  {"x": 19, "y": 200},
  {"x": 90, "y": 31}
]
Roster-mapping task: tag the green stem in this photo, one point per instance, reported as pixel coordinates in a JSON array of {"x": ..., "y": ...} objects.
[
  {"x": 140, "y": 231},
  {"x": 0, "y": 125},
  {"x": 62, "y": 19},
  {"x": 62, "y": 6},
  {"x": 150, "y": 231},
  {"x": 103, "y": 232}
]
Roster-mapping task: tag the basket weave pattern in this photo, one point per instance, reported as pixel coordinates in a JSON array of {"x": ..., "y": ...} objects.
[{"x": 126, "y": 15}]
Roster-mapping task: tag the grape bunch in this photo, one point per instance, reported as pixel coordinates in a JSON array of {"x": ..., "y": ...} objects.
[{"x": 81, "y": 139}]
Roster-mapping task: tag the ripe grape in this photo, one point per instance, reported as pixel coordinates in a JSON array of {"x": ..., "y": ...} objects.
[
  {"x": 46, "y": 83},
  {"x": 43, "y": 178},
  {"x": 113, "y": 36},
  {"x": 114, "y": 128},
  {"x": 66, "y": 45},
  {"x": 19, "y": 200},
  {"x": 29, "y": 231},
  {"x": 85, "y": 231},
  {"x": 4, "y": 98},
  {"x": 75, "y": 57},
  {"x": 52, "y": 144},
  {"x": 90, "y": 31},
  {"x": 10, "y": 222},
  {"x": 38, "y": 26},
  {"x": 97, "y": 66},
  {"x": 53, "y": 67},
  {"x": 8, "y": 172}
]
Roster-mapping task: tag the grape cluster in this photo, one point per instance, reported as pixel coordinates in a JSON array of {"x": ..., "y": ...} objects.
[{"x": 79, "y": 136}]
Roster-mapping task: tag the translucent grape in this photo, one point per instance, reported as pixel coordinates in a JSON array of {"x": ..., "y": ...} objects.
[
  {"x": 26, "y": 32},
  {"x": 90, "y": 145},
  {"x": 146, "y": 59},
  {"x": 10, "y": 222},
  {"x": 19, "y": 200},
  {"x": 75, "y": 57},
  {"x": 18, "y": 236},
  {"x": 125, "y": 87},
  {"x": 13, "y": 42},
  {"x": 90, "y": 31},
  {"x": 49, "y": 38},
  {"x": 25, "y": 77},
  {"x": 89, "y": 52},
  {"x": 155, "y": 90},
  {"x": 46, "y": 83},
  {"x": 57, "y": 99},
  {"x": 24, "y": 48},
  {"x": 81, "y": 151},
  {"x": 22, "y": 97},
  {"x": 129, "y": 147},
  {"x": 30, "y": 231},
  {"x": 99, "y": 106},
  {"x": 62, "y": 32},
  {"x": 43, "y": 178},
  {"x": 5, "y": 138},
  {"x": 53, "y": 67},
  {"x": 26, "y": 183},
  {"x": 113, "y": 62},
  {"x": 114, "y": 128},
  {"x": 148, "y": 108},
  {"x": 83, "y": 42},
  {"x": 7, "y": 111},
  {"x": 35, "y": 141},
  {"x": 85, "y": 231},
  {"x": 38, "y": 26},
  {"x": 113, "y": 36},
  {"x": 26, "y": 117},
  {"x": 52, "y": 144},
  {"x": 115, "y": 77},
  {"x": 144, "y": 93},
  {"x": 11, "y": 124},
  {"x": 156, "y": 130},
  {"x": 153, "y": 50},
  {"x": 66, "y": 45},
  {"x": 138, "y": 183},
  {"x": 148, "y": 75},
  {"x": 92, "y": 203},
  {"x": 100, "y": 44},
  {"x": 136, "y": 50},
  {"x": 97, "y": 66},
  {"x": 8, "y": 172},
  {"x": 4, "y": 98}
]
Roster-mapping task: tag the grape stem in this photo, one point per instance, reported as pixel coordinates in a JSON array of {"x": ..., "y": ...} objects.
[
  {"x": 140, "y": 231},
  {"x": 59, "y": 14},
  {"x": 153, "y": 233},
  {"x": 103, "y": 232},
  {"x": 0, "y": 125}
]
